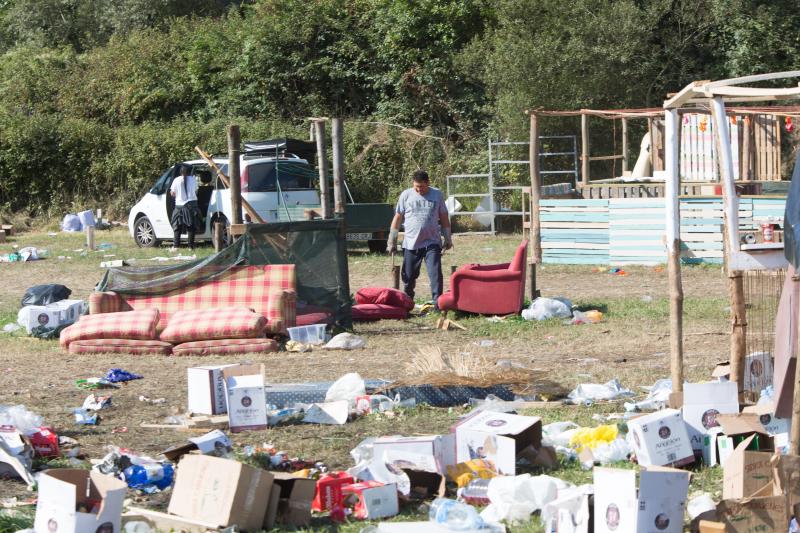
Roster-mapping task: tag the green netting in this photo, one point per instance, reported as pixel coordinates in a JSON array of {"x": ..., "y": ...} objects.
[{"x": 317, "y": 248}]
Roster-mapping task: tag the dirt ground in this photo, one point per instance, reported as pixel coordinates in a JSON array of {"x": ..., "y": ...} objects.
[{"x": 631, "y": 344}]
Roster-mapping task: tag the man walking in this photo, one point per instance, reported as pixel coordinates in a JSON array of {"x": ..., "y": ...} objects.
[{"x": 423, "y": 214}]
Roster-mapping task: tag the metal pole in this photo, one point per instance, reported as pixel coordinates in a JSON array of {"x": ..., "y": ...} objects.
[
  {"x": 337, "y": 133},
  {"x": 491, "y": 187},
  {"x": 322, "y": 164},
  {"x": 234, "y": 175}
]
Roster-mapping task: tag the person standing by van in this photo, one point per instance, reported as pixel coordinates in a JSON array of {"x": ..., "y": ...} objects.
[{"x": 186, "y": 217}]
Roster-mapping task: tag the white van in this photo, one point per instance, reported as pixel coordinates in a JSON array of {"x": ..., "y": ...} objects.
[{"x": 278, "y": 188}]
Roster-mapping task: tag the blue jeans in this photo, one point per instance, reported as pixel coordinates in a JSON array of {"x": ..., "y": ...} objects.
[{"x": 412, "y": 263}]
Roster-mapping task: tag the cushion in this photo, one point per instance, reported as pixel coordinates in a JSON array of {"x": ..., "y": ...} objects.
[
  {"x": 226, "y": 346},
  {"x": 132, "y": 325},
  {"x": 384, "y": 296},
  {"x": 214, "y": 323},
  {"x": 128, "y": 346},
  {"x": 366, "y": 312},
  {"x": 307, "y": 319}
]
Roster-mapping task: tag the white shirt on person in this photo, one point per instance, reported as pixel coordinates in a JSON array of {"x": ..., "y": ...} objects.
[{"x": 190, "y": 193}]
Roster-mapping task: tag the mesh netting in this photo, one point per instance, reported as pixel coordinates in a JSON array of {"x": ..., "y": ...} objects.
[{"x": 317, "y": 249}]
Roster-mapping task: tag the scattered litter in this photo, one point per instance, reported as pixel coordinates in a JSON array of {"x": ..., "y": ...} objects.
[
  {"x": 298, "y": 347},
  {"x": 21, "y": 418},
  {"x": 120, "y": 429},
  {"x": 173, "y": 258},
  {"x": 347, "y": 388},
  {"x": 346, "y": 341},
  {"x": 150, "y": 477},
  {"x": 11, "y": 327},
  {"x": 592, "y": 316},
  {"x": 154, "y": 401},
  {"x": 83, "y": 417},
  {"x": 495, "y": 319},
  {"x": 94, "y": 402},
  {"x": 647, "y": 299},
  {"x": 95, "y": 383},
  {"x": 588, "y": 393},
  {"x": 515, "y": 498},
  {"x": 454, "y": 515},
  {"x": 116, "y": 375},
  {"x": 485, "y": 343},
  {"x": 657, "y": 397},
  {"x": 335, "y": 412},
  {"x": 546, "y": 308}
]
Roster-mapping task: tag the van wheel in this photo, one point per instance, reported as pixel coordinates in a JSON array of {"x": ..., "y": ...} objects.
[
  {"x": 226, "y": 230},
  {"x": 144, "y": 234},
  {"x": 377, "y": 246}
]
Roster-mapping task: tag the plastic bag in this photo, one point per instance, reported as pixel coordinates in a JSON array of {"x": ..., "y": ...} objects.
[
  {"x": 45, "y": 294},
  {"x": 21, "y": 418},
  {"x": 593, "y": 316},
  {"x": 345, "y": 341},
  {"x": 348, "y": 387},
  {"x": 612, "y": 452},
  {"x": 592, "y": 438},
  {"x": 544, "y": 308},
  {"x": 515, "y": 498},
  {"x": 71, "y": 222},
  {"x": 587, "y": 393},
  {"x": 657, "y": 397},
  {"x": 558, "y": 433}
]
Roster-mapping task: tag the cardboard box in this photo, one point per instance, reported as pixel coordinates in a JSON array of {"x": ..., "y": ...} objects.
[
  {"x": 614, "y": 500},
  {"x": 329, "y": 490},
  {"x": 762, "y": 512},
  {"x": 166, "y": 522},
  {"x": 52, "y": 315},
  {"x": 710, "y": 449},
  {"x": 15, "y": 456},
  {"x": 291, "y": 500},
  {"x": 371, "y": 499},
  {"x": 79, "y": 501},
  {"x": 212, "y": 443},
  {"x": 659, "y": 505},
  {"x": 745, "y": 472},
  {"x": 766, "y": 415},
  {"x": 497, "y": 438},
  {"x": 741, "y": 425},
  {"x": 207, "y": 389},
  {"x": 441, "y": 448},
  {"x": 244, "y": 387},
  {"x": 758, "y": 371},
  {"x": 661, "y": 439},
  {"x": 220, "y": 491},
  {"x": 44, "y": 442},
  {"x": 702, "y": 403},
  {"x": 425, "y": 485},
  {"x": 570, "y": 511}
]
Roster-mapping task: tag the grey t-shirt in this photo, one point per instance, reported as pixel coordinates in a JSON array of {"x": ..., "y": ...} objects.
[{"x": 421, "y": 217}]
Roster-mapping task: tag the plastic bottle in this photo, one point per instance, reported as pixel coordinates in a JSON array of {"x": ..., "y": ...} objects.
[
  {"x": 477, "y": 492},
  {"x": 455, "y": 515},
  {"x": 141, "y": 476}
]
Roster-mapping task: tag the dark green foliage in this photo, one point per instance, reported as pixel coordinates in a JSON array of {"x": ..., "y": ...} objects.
[{"x": 97, "y": 97}]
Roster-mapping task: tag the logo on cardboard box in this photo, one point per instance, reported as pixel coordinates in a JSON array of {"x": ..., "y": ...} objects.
[
  {"x": 43, "y": 319},
  {"x": 496, "y": 423},
  {"x": 661, "y": 522},
  {"x": 247, "y": 401},
  {"x": 664, "y": 432},
  {"x": 709, "y": 419},
  {"x": 612, "y": 516}
]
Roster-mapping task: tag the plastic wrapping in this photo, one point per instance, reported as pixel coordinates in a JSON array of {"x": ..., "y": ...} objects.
[
  {"x": 515, "y": 498},
  {"x": 348, "y": 388},
  {"x": 345, "y": 341},
  {"x": 545, "y": 308},
  {"x": 45, "y": 294},
  {"x": 21, "y": 418},
  {"x": 587, "y": 393}
]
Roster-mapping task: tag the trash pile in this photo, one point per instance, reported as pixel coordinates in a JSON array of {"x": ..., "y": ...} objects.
[
  {"x": 488, "y": 472},
  {"x": 45, "y": 310}
]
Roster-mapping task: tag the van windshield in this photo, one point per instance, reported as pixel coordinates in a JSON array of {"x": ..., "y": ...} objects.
[{"x": 261, "y": 177}]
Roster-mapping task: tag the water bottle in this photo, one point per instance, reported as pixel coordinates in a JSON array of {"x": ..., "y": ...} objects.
[
  {"x": 151, "y": 474},
  {"x": 455, "y": 515},
  {"x": 477, "y": 492}
]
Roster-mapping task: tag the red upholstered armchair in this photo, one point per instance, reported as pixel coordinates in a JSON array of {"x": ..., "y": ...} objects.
[{"x": 488, "y": 289}]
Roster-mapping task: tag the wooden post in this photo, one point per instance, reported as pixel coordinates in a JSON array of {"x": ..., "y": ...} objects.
[
  {"x": 227, "y": 182},
  {"x": 747, "y": 149},
  {"x": 217, "y": 236},
  {"x": 624, "y": 145},
  {"x": 652, "y": 144},
  {"x": 673, "y": 234},
  {"x": 90, "y": 237},
  {"x": 396, "y": 277},
  {"x": 535, "y": 246},
  {"x": 322, "y": 164},
  {"x": 585, "y": 148},
  {"x": 338, "y": 166},
  {"x": 794, "y": 432},
  {"x": 233, "y": 173},
  {"x": 730, "y": 210}
]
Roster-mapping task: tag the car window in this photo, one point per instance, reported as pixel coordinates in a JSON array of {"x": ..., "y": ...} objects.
[
  {"x": 204, "y": 175},
  {"x": 163, "y": 182},
  {"x": 295, "y": 176},
  {"x": 261, "y": 177}
]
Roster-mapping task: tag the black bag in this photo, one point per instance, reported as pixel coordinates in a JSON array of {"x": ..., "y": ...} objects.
[{"x": 45, "y": 294}]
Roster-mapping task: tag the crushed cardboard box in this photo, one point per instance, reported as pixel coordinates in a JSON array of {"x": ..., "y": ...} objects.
[{"x": 79, "y": 501}]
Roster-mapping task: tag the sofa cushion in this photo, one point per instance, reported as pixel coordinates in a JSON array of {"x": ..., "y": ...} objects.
[
  {"x": 366, "y": 312},
  {"x": 226, "y": 346},
  {"x": 384, "y": 296},
  {"x": 214, "y": 323},
  {"x": 128, "y": 346},
  {"x": 132, "y": 325}
]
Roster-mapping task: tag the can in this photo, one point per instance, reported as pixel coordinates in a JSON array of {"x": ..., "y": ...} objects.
[{"x": 766, "y": 232}]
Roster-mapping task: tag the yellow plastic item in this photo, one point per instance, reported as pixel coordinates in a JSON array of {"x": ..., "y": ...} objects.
[
  {"x": 462, "y": 473},
  {"x": 593, "y": 316},
  {"x": 592, "y": 437}
]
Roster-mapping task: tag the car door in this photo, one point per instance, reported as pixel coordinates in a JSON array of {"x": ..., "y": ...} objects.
[
  {"x": 261, "y": 190},
  {"x": 164, "y": 203}
]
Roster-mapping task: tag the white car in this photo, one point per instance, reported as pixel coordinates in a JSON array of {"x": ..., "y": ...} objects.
[{"x": 278, "y": 188}]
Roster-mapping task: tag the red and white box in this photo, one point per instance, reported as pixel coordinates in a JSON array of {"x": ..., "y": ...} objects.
[
  {"x": 329, "y": 491},
  {"x": 45, "y": 442},
  {"x": 372, "y": 499}
]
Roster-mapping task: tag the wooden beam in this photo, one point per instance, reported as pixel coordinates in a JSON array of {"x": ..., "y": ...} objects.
[
  {"x": 337, "y": 134},
  {"x": 536, "y": 189},
  {"x": 585, "y": 148},
  {"x": 746, "y": 172},
  {"x": 233, "y": 169},
  {"x": 624, "y": 146},
  {"x": 606, "y": 157},
  {"x": 673, "y": 232},
  {"x": 225, "y": 181},
  {"x": 322, "y": 165}
]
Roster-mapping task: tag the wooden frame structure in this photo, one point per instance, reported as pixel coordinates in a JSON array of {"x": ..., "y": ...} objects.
[{"x": 714, "y": 95}]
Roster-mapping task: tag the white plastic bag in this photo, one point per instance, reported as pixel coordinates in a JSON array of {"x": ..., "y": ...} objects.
[
  {"x": 612, "y": 452},
  {"x": 544, "y": 308},
  {"x": 587, "y": 393},
  {"x": 345, "y": 341},
  {"x": 515, "y": 498},
  {"x": 347, "y": 388},
  {"x": 72, "y": 223},
  {"x": 558, "y": 433}
]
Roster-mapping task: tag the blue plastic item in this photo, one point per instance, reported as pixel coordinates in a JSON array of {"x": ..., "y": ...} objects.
[
  {"x": 116, "y": 375},
  {"x": 148, "y": 477}
]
